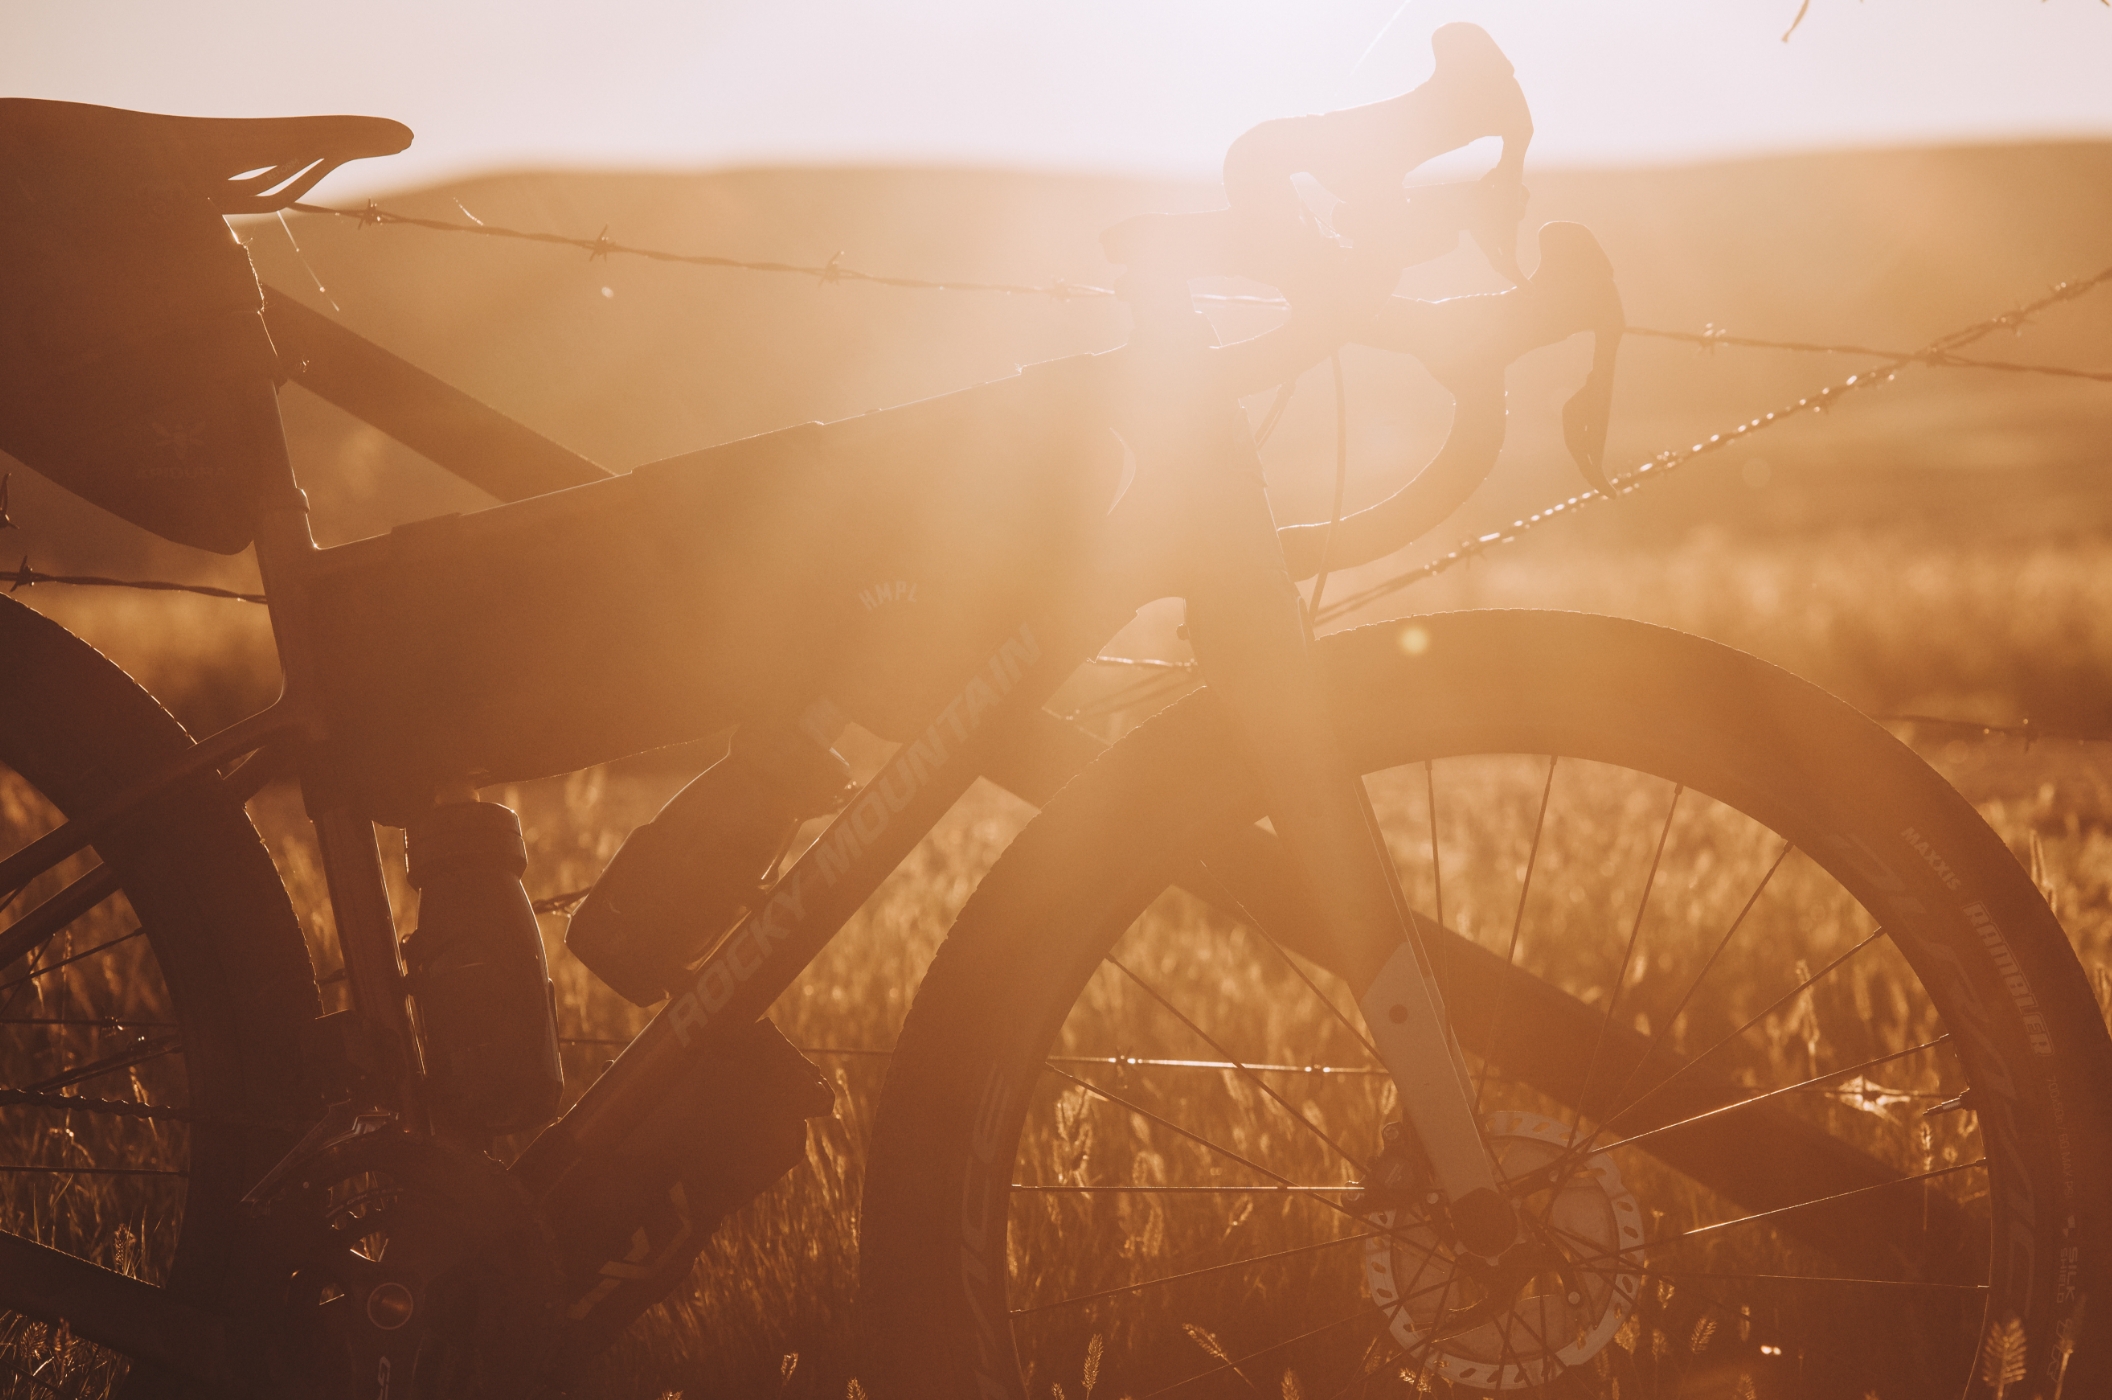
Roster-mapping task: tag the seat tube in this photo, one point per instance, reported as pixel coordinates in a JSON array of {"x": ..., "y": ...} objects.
[
  {"x": 1249, "y": 633},
  {"x": 351, "y": 857}
]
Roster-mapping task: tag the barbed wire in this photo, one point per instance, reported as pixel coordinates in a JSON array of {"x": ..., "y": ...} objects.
[
  {"x": 835, "y": 270},
  {"x": 601, "y": 247},
  {"x": 1710, "y": 338},
  {"x": 1938, "y": 353},
  {"x": 2028, "y": 730},
  {"x": 24, "y": 576},
  {"x": 1669, "y": 461}
]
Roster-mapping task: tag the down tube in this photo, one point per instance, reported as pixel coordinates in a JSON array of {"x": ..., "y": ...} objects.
[{"x": 754, "y": 964}]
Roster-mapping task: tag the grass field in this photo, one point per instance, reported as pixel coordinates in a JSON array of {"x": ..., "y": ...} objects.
[{"x": 1895, "y": 623}]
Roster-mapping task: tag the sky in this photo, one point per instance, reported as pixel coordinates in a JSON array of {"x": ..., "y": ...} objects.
[{"x": 1157, "y": 86}]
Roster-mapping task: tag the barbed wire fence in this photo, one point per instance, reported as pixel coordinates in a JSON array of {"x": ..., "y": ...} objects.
[
  {"x": 1171, "y": 677},
  {"x": 1665, "y": 463}
]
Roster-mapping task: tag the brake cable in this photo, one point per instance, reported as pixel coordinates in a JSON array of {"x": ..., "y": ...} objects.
[
  {"x": 1327, "y": 541},
  {"x": 1274, "y": 416}
]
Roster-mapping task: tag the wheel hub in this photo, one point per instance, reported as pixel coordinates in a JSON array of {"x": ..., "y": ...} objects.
[{"x": 1551, "y": 1302}]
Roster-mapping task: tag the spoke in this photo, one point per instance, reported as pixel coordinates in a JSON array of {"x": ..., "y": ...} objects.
[
  {"x": 1363, "y": 1313},
  {"x": 1182, "y": 1190},
  {"x": 1635, "y": 932},
  {"x": 137, "y": 1055},
  {"x": 1798, "y": 1087},
  {"x": 1547, "y": 1353},
  {"x": 1294, "y": 1192},
  {"x": 1677, "y": 1275},
  {"x": 1700, "y": 1230},
  {"x": 1252, "y": 1078},
  {"x": 1193, "y": 1273},
  {"x": 1297, "y": 971},
  {"x": 36, "y": 928},
  {"x": 1428, "y": 950},
  {"x": 1170, "y": 1125},
  {"x": 34, "y": 1379},
  {"x": 1146, "y": 1062},
  {"x": 67, "y": 962},
  {"x": 1732, "y": 1315},
  {"x": 116, "y": 1108},
  {"x": 1664, "y": 1027},
  {"x": 1510, "y": 958},
  {"x": 26, "y": 1169},
  {"x": 1437, "y": 876},
  {"x": 98, "y": 1022},
  {"x": 1827, "y": 1200},
  {"x": 1763, "y": 1014},
  {"x": 1710, "y": 1301},
  {"x": 1395, "y": 1352}
]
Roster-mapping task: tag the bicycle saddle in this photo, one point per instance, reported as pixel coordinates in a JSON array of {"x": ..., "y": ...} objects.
[{"x": 243, "y": 165}]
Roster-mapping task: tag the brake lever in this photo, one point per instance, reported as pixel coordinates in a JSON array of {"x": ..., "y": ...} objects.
[{"x": 1571, "y": 250}]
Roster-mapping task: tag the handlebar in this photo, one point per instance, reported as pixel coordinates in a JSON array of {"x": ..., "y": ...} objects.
[
  {"x": 1361, "y": 154},
  {"x": 1466, "y": 342},
  {"x": 1341, "y": 293}
]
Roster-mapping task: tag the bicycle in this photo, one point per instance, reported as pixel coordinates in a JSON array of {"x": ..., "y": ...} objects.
[{"x": 1513, "y": 1184}]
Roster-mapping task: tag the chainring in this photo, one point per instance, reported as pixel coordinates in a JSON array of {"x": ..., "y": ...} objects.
[
  {"x": 405, "y": 1270},
  {"x": 1556, "y": 1299}
]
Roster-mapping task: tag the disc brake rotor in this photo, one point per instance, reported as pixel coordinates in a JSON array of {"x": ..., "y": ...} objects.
[{"x": 1553, "y": 1301}]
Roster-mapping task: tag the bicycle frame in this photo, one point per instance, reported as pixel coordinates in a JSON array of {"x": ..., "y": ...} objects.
[{"x": 1199, "y": 488}]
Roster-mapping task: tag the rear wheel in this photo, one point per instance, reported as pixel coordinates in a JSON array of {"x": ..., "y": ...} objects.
[
  {"x": 1796, "y": 1083},
  {"x": 150, "y": 1044}
]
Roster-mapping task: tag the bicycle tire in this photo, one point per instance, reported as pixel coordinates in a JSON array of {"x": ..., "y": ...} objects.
[
  {"x": 224, "y": 942},
  {"x": 937, "y": 1221}
]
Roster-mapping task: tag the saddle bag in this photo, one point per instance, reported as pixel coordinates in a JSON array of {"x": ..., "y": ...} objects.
[{"x": 135, "y": 370}]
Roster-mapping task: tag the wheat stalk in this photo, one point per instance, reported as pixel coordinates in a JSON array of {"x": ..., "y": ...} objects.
[{"x": 2002, "y": 1359}]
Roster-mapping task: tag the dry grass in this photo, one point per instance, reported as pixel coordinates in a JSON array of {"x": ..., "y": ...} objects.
[
  {"x": 121, "y": 1221},
  {"x": 778, "y": 1282},
  {"x": 1602, "y": 826}
]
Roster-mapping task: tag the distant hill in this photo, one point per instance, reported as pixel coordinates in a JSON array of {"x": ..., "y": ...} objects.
[{"x": 627, "y": 360}]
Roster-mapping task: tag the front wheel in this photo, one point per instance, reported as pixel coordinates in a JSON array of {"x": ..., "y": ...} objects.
[{"x": 1793, "y": 1078}]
